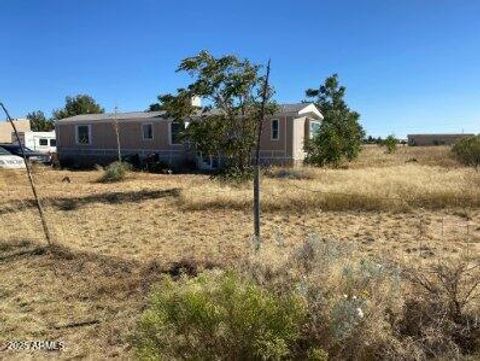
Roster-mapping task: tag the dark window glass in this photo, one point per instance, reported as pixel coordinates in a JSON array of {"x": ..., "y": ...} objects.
[
  {"x": 43, "y": 142},
  {"x": 175, "y": 130},
  {"x": 147, "y": 131},
  {"x": 83, "y": 134},
  {"x": 53, "y": 142},
  {"x": 275, "y": 129}
]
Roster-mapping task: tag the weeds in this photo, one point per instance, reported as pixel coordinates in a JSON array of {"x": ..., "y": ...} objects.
[
  {"x": 320, "y": 303},
  {"x": 115, "y": 172},
  {"x": 291, "y": 173},
  {"x": 218, "y": 317},
  {"x": 444, "y": 314}
]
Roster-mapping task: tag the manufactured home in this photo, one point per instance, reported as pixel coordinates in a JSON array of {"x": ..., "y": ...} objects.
[{"x": 92, "y": 138}]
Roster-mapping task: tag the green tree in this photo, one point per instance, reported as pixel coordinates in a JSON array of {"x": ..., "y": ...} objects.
[
  {"x": 340, "y": 134},
  {"x": 232, "y": 91},
  {"x": 78, "y": 104},
  {"x": 390, "y": 143},
  {"x": 39, "y": 123},
  {"x": 154, "y": 107}
]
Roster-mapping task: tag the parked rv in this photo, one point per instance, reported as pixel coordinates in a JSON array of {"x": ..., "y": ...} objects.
[{"x": 44, "y": 142}]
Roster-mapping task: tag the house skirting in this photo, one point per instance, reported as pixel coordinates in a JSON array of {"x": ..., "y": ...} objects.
[
  {"x": 86, "y": 157},
  {"x": 89, "y": 157}
]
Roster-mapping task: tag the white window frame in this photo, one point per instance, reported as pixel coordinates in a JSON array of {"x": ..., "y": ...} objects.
[
  {"x": 143, "y": 132},
  {"x": 278, "y": 129},
  {"x": 89, "y": 126},
  {"x": 170, "y": 140}
]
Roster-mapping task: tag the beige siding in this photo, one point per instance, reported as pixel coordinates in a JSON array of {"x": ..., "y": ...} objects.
[
  {"x": 299, "y": 131},
  {"x": 104, "y": 137},
  {"x": 267, "y": 143},
  {"x": 286, "y": 150},
  {"x": 6, "y": 129}
]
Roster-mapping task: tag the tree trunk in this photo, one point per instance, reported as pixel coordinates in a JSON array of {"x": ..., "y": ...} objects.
[{"x": 256, "y": 180}]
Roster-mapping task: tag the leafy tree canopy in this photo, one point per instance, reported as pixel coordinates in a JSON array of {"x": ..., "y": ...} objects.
[
  {"x": 79, "y": 104},
  {"x": 39, "y": 123},
  {"x": 340, "y": 135},
  {"x": 231, "y": 89}
]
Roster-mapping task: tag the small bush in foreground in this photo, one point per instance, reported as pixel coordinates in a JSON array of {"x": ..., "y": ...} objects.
[
  {"x": 218, "y": 316},
  {"x": 467, "y": 151},
  {"x": 115, "y": 172}
]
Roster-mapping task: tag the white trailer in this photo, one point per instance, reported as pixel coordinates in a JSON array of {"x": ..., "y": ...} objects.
[{"x": 44, "y": 142}]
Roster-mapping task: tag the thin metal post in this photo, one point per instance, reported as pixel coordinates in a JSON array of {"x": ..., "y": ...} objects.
[{"x": 43, "y": 220}]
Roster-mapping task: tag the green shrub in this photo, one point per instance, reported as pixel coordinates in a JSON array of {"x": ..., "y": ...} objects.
[
  {"x": 391, "y": 144},
  {"x": 115, "y": 172},
  {"x": 218, "y": 316},
  {"x": 467, "y": 151}
]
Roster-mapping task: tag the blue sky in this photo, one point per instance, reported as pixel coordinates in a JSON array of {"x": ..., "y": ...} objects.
[{"x": 409, "y": 66}]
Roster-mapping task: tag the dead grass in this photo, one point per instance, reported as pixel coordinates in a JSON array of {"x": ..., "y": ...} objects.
[
  {"x": 118, "y": 238},
  {"x": 396, "y": 188},
  {"x": 375, "y": 156}
]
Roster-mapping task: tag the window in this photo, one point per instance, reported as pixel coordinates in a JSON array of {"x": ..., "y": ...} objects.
[
  {"x": 53, "y": 142},
  {"x": 175, "y": 132},
  {"x": 83, "y": 134},
  {"x": 275, "y": 129},
  {"x": 314, "y": 128},
  {"x": 43, "y": 142},
  {"x": 147, "y": 131}
]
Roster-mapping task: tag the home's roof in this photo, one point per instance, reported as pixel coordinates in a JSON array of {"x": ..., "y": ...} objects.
[
  {"x": 300, "y": 109},
  {"x": 292, "y": 108},
  {"x": 297, "y": 108},
  {"x": 117, "y": 116}
]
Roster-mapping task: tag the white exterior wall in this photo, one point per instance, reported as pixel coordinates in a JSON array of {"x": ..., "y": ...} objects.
[{"x": 32, "y": 141}]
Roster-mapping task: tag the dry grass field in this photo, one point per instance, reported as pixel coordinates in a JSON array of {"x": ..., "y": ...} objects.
[{"x": 113, "y": 241}]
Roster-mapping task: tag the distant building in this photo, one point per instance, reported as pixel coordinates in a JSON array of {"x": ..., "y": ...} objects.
[
  {"x": 22, "y": 125},
  {"x": 435, "y": 139}
]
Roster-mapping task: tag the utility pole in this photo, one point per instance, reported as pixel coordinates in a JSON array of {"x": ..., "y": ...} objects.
[
  {"x": 256, "y": 180},
  {"x": 43, "y": 220},
  {"x": 117, "y": 133}
]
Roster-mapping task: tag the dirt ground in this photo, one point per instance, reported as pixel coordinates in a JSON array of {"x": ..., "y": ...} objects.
[{"x": 113, "y": 241}]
